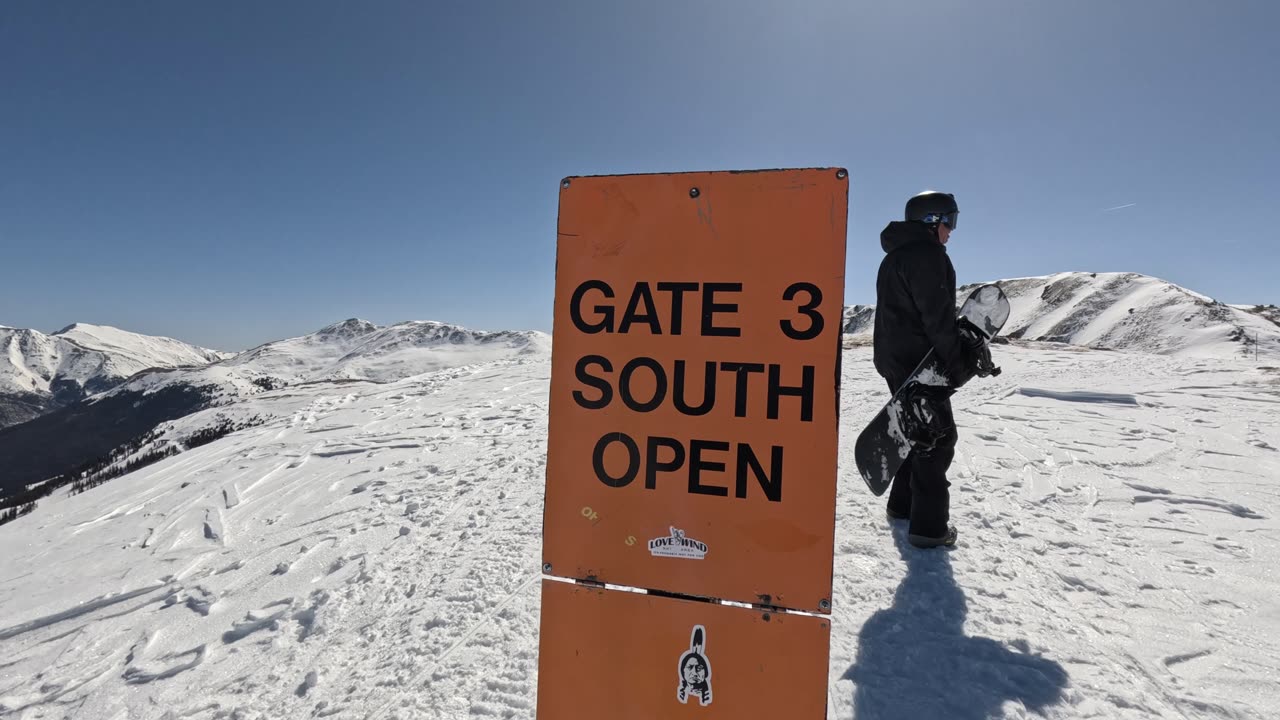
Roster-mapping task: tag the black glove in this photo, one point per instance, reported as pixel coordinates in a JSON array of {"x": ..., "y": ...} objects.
[{"x": 977, "y": 351}]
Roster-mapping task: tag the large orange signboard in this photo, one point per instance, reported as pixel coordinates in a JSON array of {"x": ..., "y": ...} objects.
[
  {"x": 624, "y": 655},
  {"x": 695, "y": 367}
]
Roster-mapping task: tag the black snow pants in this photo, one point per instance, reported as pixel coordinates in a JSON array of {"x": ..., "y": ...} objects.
[{"x": 920, "y": 489}]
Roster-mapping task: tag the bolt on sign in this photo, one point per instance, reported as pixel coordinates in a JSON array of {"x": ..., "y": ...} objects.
[
  {"x": 694, "y": 385},
  {"x": 631, "y": 656}
]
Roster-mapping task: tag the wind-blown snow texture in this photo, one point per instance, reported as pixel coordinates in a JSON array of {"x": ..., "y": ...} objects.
[{"x": 373, "y": 551}]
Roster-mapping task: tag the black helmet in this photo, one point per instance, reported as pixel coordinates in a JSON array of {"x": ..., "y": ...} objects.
[{"x": 932, "y": 207}]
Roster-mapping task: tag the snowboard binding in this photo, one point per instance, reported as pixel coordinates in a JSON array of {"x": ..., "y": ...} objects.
[{"x": 926, "y": 418}]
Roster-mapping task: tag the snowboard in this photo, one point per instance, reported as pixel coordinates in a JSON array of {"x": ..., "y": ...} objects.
[{"x": 907, "y": 419}]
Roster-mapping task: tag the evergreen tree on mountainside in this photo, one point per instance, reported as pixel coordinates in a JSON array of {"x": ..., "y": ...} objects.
[
  {"x": 110, "y": 466},
  {"x": 14, "y": 513},
  {"x": 67, "y": 440}
]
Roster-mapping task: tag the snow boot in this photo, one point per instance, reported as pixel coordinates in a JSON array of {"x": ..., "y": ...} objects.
[{"x": 947, "y": 540}]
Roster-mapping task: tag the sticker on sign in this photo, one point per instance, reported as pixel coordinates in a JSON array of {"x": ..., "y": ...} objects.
[
  {"x": 695, "y": 670},
  {"x": 676, "y": 545}
]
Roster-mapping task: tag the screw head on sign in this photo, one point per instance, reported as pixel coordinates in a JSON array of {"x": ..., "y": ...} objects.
[
  {"x": 694, "y": 192},
  {"x": 564, "y": 183},
  {"x": 824, "y": 604},
  {"x": 842, "y": 173},
  {"x": 546, "y": 567}
]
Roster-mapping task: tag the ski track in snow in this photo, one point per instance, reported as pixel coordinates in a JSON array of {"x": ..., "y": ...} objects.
[{"x": 374, "y": 554}]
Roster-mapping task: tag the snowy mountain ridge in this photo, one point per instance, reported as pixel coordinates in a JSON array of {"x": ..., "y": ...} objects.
[
  {"x": 1120, "y": 311},
  {"x": 353, "y": 349},
  {"x": 39, "y": 372},
  {"x": 1115, "y": 311},
  {"x": 350, "y": 351}
]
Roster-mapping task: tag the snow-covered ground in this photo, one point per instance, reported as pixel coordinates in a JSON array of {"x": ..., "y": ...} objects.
[{"x": 373, "y": 552}]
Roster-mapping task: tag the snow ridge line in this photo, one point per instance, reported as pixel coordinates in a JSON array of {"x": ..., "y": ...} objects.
[{"x": 83, "y": 609}]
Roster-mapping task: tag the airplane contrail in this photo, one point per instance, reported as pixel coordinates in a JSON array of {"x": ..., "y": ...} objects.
[{"x": 1119, "y": 207}]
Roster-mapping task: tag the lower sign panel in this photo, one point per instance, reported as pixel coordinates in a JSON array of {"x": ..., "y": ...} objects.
[{"x": 619, "y": 655}]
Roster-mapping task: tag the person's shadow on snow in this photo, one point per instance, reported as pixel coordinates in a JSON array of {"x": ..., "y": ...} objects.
[{"x": 915, "y": 662}]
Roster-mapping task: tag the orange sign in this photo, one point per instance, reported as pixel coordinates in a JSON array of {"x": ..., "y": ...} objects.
[
  {"x": 620, "y": 655},
  {"x": 695, "y": 367}
]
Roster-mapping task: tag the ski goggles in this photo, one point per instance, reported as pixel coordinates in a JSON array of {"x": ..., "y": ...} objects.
[{"x": 948, "y": 219}]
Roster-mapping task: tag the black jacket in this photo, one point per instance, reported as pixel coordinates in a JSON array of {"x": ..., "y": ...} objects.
[{"x": 915, "y": 303}]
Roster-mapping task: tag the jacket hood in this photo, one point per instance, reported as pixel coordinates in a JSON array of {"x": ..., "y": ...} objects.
[{"x": 905, "y": 232}]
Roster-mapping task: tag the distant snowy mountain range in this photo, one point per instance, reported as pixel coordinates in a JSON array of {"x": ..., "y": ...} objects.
[
  {"x": 40, "y": 372},
  {"x": 352, "y": 350},
  {"x": 68, "y": 437},
  {"x": 89, "y": 390},
  {"x": 1120, "y": 311}
]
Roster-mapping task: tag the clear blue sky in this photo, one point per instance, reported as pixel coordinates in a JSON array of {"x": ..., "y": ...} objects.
[{"x": 229, "y": 173}]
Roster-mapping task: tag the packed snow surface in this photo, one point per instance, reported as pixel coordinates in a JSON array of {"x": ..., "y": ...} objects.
[{"x": 373, "y": 551}]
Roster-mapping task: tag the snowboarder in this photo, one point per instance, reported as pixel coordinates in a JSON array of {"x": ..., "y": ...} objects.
[{"x": 916, "y": 311}]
